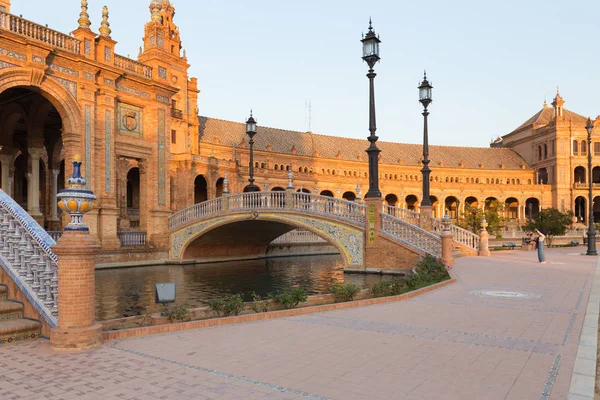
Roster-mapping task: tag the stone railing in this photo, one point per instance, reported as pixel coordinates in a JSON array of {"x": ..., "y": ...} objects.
[
  {"x": 175, "y": 113},
  {"x": 26, "y": 257},
  {"x": 412, "y": 217},
  {"x": 38, "y": 32},
  {"x": 132, "y": 238},
  {"x": 411, "y": 235},
  {"x": 304, "y": 202},
  {"x": 133, "y": 67},
  {"x": 55, "y": 235},
  {"x": 299, "y": 237},
  {"x": 461, "y": 236}
]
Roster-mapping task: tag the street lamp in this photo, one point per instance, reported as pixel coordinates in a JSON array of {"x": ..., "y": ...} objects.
[
  {"x": 425, "y": 99},
  {"x": 251, "y": 131},
  {"x": 457, "y": 210},
  {"x": 371, "y": 55},
  {"x": 591, "y": 234}
]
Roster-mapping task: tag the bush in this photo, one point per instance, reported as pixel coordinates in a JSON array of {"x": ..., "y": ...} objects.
[
  {"x": 391, "y": 287},
  {"x": 292, "y": 297},
  {"x": 344, "y": 291},
  {"x": 260, "y": 304},
  {"x": 431, "y": 270},
  {"x": 178, "y": 312},
  {"x": 228, "y": 305}
]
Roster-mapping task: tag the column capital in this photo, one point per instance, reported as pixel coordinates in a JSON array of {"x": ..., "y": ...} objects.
[
  {"x": 35, "y": 153},
  {"x": 55, "y": 173}
]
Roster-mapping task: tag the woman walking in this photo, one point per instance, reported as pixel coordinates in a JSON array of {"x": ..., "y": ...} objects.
[{"x": 539, "y": 240}]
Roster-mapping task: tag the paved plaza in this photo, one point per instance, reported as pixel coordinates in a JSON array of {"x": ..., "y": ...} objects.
[{"x": 508, "y": 329}]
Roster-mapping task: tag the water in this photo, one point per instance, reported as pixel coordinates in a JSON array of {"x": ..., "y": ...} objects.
[{"x": 127, "y": 291}]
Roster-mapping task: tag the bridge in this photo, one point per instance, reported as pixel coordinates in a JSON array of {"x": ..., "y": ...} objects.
[{"x": 243, "y": 225}]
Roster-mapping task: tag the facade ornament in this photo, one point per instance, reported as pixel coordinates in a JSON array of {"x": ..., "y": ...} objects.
[
  {"x": 184, "y": 54},
  {"x": 105, "y": 25},
  {"x": 155, "y": 8},
  {"x": 84, "y": 17},
  {"x": 484, "y": 224},
  {"x": 140, "y": 52},
  {"x": 225, "y": 185},
  {"x": 447, "y": 221},
  {"x": 76, "y": 200},
  {"x": 290, "y": 179}
]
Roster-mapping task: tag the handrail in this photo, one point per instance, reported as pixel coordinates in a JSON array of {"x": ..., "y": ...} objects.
[
  {"x": 31, "y": 30},
  {"x": 347, "y": 211},
  {"x": 460, "y": 235},
  {"x": 409, "y": 216},
  {"x": 411, "y": 235},
  {"x": 26, "y": 257},
  {"x": 132, "y": 66}
]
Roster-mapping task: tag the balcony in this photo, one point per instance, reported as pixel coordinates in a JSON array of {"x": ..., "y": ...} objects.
[
  {"x": 133, "y": 67},
  {"x": 580, "y": 185},
  {"x": 175, "y": 113}
]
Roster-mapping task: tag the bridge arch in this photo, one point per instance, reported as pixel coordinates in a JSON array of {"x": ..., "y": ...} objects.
[{"x": 221, "y": 237}]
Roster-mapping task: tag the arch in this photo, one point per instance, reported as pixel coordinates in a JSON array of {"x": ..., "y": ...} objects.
[
  {"x": 532, "y": 208},
  {"x": 278, "y": 189},
  {"x": 256, "y": 164},
  {"x": 350, "y": 196},
  {"x": 543, "y": 176},
  {"x": 200, "y": 189},
  {"x": 491, "y": 203},
  {"x": 276, "y": 167},
  {"x": 581, "y": 209},
  {"x": 219, "y": 187},
  {"x": 303, "y": 190},
  {"x": 299, "y": 169},
  {"x": 263, "y": 229},
  {"x": 596, "y": 175},
  {"x": 305, "y": 169},
  {"x": 472, "y": 202},
  {"x": 327, "y": 193},
  {"x": 435, "y": 204},
  {"x": 596, "y": 208},
  {"x": 263, "y": 165},
  {"x": 580, "y": 175},
  {"x": 412, "y": 202},
  {"x": 451, "y": 204},
  {"x": 512, "y": 208},
  {"x": 391, "y": 200}
]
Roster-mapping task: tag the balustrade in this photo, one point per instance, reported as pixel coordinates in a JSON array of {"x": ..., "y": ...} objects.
[
  {"x": 31, "y": 30},
  {"x": 409, "y": 216},
  {"x": 55, "y": 235},
  {"x": 461, "y": 236},
  {"x": 26, "y": 258},
  {"x": 132, "y": 66},
  {"x": 411, "y": 235},
  {"x": 132, "y": 238}
]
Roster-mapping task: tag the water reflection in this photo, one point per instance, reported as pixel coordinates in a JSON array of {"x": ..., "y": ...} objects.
[{"x": 128, "y": 291}]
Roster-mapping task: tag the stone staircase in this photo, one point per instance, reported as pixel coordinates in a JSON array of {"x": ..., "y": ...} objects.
[{"x": 13, "y": 326}]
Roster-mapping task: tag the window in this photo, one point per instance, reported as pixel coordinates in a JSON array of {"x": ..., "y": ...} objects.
[
  {"x": 539, "y": 152},
  {"x": 553, "y": 146},
  {"x": 583, "y": 148},
  {"x": 545, "y": 151},
  {"x": 597, "y": 148},
  {"x": 575, "y": 148},
  {"x": 173, "y": 136},
  {"x": 174, "y": 104}
]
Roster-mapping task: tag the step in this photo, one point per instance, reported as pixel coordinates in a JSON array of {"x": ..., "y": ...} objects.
[
  {"x": 19, "y": 329},
  {"x": 3, "y": 292},
  {"x": 10, "y": 310}
]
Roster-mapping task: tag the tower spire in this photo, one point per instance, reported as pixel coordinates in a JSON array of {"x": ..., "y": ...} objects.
[
  {"x": 155, "y": 8},
  {"x": 84, "y": 17},
  {"x": 105, "y": 25}
]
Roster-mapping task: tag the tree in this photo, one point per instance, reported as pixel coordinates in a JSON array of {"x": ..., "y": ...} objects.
[
  {"x": 472, "y": 217},
  {"x": 551, "y": 221}
]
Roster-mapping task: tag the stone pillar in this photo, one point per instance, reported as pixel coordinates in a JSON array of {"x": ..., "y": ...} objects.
[
  {"x": 447, "y": 241},
  {"x": 33, "y": 190},
  {"x": 484, "y": 236},
  {"x": 53, "y": 193},
  {"x": 372, "y": 227},
  {"x": 6, "y": 162},
  {"x": 76, "y": 330},
  {"x": 426, "y": 212}
]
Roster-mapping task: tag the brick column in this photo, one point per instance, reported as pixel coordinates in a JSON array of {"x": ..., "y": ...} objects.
[
  {"x": 76, "y": 330},
  {"x": 426, "y": 212},
  {"x": 447, "y": 241},
  {"x": 484, "y": 250},
  {"x": 372, "y": 227}
]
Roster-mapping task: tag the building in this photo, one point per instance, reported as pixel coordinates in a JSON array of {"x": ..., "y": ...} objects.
[{"x": 147, "y": 152}]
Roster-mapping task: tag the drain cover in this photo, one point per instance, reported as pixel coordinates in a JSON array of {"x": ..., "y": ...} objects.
[{"x": 503, "y": 294}]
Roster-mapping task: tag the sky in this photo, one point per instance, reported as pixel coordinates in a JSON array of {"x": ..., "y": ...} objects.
[{"x": 491, "y": 63}]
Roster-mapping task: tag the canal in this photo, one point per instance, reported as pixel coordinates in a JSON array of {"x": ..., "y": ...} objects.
[{"x": 130, "y": 291}]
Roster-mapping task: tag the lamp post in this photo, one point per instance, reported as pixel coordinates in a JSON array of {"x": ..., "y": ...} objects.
[
  {"x": 425, "y": 98},
  {"x": 591, "y": 234},
  {"x": 457, "y": 210},
  {"x": 371, "y": 55},
  {"x": 251, "y": 131}
]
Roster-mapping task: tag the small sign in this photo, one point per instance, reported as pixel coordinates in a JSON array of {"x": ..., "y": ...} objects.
[
  {"x": 165, "y": 292},
  {"x": 371, "y": 219}
]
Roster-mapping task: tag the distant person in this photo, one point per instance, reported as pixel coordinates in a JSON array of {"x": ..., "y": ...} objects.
[{"x": 539, "y": 241}]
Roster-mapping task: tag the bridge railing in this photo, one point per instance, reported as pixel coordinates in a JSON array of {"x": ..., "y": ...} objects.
[
  {"x": 411, "y": 235},
  {"x": 298, "y": 237},
  {"x": 26, "y": 257},
  {"x": 310, "y": 203},
  {"x": 460, "y": 235},
  {"x": 34, "y": 31},
  {"x": 412, "y": 217}
]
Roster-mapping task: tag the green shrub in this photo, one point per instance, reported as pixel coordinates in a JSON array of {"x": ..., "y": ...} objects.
[
  {"x": 432, "y": 270},
  {"x": 178, "y": 312},
  {"x": 260, "y": 304},
  {"x": 344, "y": 291},
  {"x": 228, "y": 305},
  {"x": 292, "y": 297},
  {"x": 390, "y": 287}
]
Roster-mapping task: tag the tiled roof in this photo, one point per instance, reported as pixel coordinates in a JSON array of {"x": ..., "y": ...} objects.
[
  {"x": 282, "y": 141},
  {"x": 546, "y": 114}
]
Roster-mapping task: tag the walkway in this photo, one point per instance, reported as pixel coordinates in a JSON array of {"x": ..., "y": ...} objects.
[{"x": 456, "y": 343}]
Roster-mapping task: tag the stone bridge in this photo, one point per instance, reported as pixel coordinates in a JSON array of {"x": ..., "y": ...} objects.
[{"x": 243, "y": 225}]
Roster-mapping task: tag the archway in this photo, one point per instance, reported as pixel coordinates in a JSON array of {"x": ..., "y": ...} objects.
[
  {"x": 471, "y": 202},
  {"x": 532, "y": 208},
  {"x": 327, "y": 193},
  {"x": 597, "y": 209},
  {"x": 581, "y": 209},
  {"x": 435, "y": 204},
  {"x": 278, "y": 189},
  {"x": 491, "y": 204},
  {"x": 543, "y": 176},
  {"x": 133, "y": 197},
  {"x": 219, "y": 187},
  {"x": 200, "y": 189},
  {"x": 579, "y": 175},
  {"x": 349, "y": 196},
  {"x": 451, "y": 204},
  {"x": 512, "y": 208},
  {"x": 596, "y": 175},
  {"x": 411, "y": 202},
  {"x": 303, "y": 190},
  {"x": 391, "y": 200}
]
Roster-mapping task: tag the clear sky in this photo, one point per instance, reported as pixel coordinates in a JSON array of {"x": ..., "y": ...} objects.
[{"x": 491, "y": 63}]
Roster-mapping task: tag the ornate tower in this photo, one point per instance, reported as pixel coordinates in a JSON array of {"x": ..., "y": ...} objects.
[{"x": 558, "y": 104}]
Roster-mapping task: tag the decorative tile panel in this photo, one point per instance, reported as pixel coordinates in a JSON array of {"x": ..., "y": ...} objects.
[
  {"x": 13, "y": 54},
  {"x": 130, "y": 120},
  {"x": 136, "y": 92},
  {"x": 89, "y": 76},
  {"x": 4, "y": 64},
  {"x": 67, "y": 84},
  {"x": 162, "y": 72},
  {"x": 88, "y": 146},
  {"x": 87, "y": 47},
  {"x": 64, "y": 70},
  {"x": 109, "y": 82},
  {"x": 108, "y": 151},
  {"x": 107, "y": 54},
  {"x": 38, "y": 59},
  {"x": 162, "y": 158},
  {"x": 163, "y": 99},
  {"x": 160, "y": 41}
]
